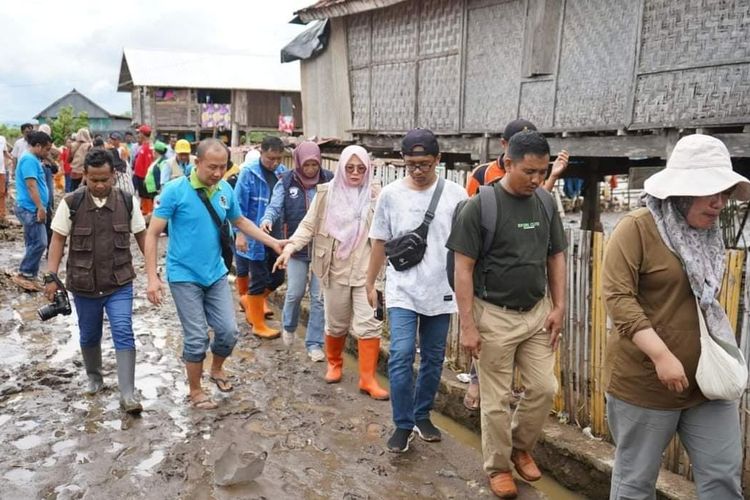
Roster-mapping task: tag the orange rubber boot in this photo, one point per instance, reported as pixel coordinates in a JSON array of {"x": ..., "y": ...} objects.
[
  {"x": 241, "y": 283},
  {"x": 334, "y": 348},
  {"x": 369, "y": 351},
  {"x": 254, "y": 311}
]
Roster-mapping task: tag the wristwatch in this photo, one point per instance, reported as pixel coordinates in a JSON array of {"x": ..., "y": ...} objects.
[{"x": 49, "y": 277}]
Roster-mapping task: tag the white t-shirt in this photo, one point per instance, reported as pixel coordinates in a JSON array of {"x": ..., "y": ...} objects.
[
  {"x": 3, "y": 145},
  {"x": 62, "y": 224},
  {"x": 424, "y": 288},
  {"x": 19, "y": 148}
]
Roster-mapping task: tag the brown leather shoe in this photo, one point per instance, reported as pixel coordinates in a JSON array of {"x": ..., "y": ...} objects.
[
  {"x": 503, "y": 485},
  {"x": 525, "y": 465}
]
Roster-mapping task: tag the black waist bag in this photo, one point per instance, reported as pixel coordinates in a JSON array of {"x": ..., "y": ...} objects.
[
  {"x": 407, "y": 250},
  {"x": 225, "y": 231}
]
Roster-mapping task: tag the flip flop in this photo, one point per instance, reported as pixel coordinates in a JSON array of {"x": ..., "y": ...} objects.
[
  {"x": 223, "y": 384},
  {"x": 471, "y": 402},
  {"x": 203, "y": 402}
]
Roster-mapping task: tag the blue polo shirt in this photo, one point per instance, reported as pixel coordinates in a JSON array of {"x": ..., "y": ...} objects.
[
  {"x": 29, "y": 167},
  {"x": 194, "y": 250}
]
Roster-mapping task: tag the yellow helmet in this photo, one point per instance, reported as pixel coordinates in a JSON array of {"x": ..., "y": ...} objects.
[{"x": 182, "y": 146}]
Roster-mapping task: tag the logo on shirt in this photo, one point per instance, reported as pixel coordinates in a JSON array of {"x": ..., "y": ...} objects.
[
  {"x": 528, "y": 225},
  {"x": 293, "y": 192},
  {"x": 223, "y": 203}
]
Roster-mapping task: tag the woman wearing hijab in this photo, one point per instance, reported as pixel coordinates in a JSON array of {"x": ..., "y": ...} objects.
[
  {"x": 659, "y": 261},
  {"x": 77, "y": 154},
  {"x": 290, "y": 200},
  {"x": 337, "y": 224}
]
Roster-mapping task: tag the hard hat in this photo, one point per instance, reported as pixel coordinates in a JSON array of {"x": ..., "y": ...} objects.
[{"x": 182, "y": 146}]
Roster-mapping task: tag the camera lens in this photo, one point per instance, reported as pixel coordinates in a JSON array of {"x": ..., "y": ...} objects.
[{"x": 47, "y": 312}]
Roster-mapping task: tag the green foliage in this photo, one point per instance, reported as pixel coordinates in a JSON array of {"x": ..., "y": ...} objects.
[
  {"x": 66, "y": 124},
  {"x": 10, "y": 133},
  {"x": 256, "y": 136}
]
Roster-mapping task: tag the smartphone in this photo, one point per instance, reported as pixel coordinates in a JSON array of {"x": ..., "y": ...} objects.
[{"x": 380, "y": 307}]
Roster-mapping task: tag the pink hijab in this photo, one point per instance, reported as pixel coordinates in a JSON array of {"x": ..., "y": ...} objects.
[
  {"x": 306, "y": 150},
  {"x": 348, "y": 206}
]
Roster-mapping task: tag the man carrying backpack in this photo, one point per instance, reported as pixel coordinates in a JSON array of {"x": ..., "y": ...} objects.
[
  {"x": 506, "y": 314},
  {"x": 99, "y": 220}
]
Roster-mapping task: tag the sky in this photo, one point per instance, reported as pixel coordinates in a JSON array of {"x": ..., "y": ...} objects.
[{"x": 53, "y": 46}]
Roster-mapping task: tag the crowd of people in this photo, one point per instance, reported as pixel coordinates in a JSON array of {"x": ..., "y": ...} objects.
[{"x": 419, "y": 250}]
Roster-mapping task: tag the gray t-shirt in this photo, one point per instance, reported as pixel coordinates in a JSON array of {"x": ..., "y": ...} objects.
[
  {"x": 424, "y": 288},
  {"x": 516, "y": 265}
]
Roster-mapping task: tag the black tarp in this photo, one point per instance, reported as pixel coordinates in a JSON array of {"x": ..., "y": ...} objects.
[{"x": 308, "y": 44}]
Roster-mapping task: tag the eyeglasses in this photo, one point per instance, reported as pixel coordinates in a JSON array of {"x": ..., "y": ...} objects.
[
  {"x": 424, "y": 166},
  {"x": 361, "y": 169}
]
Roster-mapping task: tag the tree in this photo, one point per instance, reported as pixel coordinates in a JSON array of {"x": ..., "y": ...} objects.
[
  {"x": 66, "y": 124},
  {"x": 10, "y": 133}
]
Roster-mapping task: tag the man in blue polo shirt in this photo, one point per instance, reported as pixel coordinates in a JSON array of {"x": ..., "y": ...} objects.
[
  {"x": 196, "y": 271},
  {"x": 32, "y": 197}
]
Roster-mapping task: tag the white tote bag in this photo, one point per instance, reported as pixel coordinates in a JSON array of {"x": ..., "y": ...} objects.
[{"x": 722, "y": 370}]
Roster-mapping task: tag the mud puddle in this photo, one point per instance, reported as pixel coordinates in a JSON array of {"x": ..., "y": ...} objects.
[{"x": 323, "y": 441}]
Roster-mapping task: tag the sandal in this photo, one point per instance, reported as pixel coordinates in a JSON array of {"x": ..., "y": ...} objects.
[
  {"x": 222, "y": 383},
  {"x": 472, "y": 401},
  {"x": 203, "y": 402}
]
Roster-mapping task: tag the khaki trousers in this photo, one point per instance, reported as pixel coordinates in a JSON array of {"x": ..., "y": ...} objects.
[
  {"x": 347, "y": 311},
  {"x": 513, "y": 338}
]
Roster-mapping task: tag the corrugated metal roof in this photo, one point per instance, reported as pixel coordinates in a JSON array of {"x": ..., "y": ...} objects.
[
  {"x": 79, "y": 102},
  {"x": 337, "y": 8},
  {"x": 179, "y": 69}
]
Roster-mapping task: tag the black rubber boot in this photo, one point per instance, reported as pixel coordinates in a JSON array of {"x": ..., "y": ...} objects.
[
  {"x": 92, "y": 360},
  {"x": 126, "y": 382}
]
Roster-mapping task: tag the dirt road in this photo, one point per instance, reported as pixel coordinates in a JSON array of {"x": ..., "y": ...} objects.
[{"x": 323, "y": 441}]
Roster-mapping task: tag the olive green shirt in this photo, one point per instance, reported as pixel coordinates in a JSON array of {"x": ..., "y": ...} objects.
[{"x": 514, "y": 271}]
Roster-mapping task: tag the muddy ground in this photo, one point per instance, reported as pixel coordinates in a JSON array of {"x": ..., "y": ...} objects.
[{"x": 323, "y": 441}]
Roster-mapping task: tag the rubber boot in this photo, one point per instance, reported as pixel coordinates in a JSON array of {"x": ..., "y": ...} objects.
[
  {"x": 254, "y": 311},
  {"x": 241, "y": 283},
  {"x": 126, "y": 382},
  {"x": 267, "y": 312},
  {"x": 369, "y": 351},
  {"x": 334, "y": 347},
  {"x": 92, "y": 361}
]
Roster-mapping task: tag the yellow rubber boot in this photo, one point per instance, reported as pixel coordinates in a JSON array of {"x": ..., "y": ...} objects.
[
  {"x": 254, "y": 311},
  {"x": 369, "y": 351},
  {"x": 334, "y": 347}
]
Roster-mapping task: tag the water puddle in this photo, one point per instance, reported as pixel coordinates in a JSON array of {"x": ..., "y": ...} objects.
[
  {"x": 28, "y": 442},
  {"x": 145, "y": 466},
  {"x": 19, "y": 476},
  {"x": 62, "y": 446}
]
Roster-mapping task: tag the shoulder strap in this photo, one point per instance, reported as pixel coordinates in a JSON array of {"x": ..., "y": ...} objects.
[
  {"x": 547, "y": 201},
  {"x": 128, "y": 199},
  {"x": 74, "y": 201},
  {"x": 430, "y": 214},
  {"x": 488, "y": 216},
  {"x": 204, "y": 198}
]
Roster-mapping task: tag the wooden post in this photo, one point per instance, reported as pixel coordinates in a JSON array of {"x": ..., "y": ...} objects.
[
  {"x": 484, "y": 151},
  {"x": 590, "y": 218}
]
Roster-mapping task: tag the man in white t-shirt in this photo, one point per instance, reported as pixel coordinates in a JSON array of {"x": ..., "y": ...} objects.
[
  {"x": 20, "y": 146},
  {"x": 99, "y": 220},
  {"x": 419, "y": 299},
  {"x": 4, "y": 157}
]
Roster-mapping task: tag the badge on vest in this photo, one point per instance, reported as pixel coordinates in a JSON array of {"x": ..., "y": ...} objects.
[
  {"x": 223, "y": 203},
  {"x": 294, "y": 192}
]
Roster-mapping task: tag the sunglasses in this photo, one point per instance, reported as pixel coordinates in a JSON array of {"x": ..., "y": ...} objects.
[{"x": 361, "y": 169}]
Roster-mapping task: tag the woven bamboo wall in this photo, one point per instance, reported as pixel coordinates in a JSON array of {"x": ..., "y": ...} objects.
[
  {"x": 492, "y": 72},
  {"x": 596, "y": 63}
]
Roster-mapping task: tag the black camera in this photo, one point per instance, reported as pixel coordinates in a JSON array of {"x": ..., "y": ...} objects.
[{"x": 60, "y": 303}]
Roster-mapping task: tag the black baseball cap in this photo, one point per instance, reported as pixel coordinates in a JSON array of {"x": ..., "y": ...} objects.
[
  {"x": 116, "y": 136},
  {"x": 517, "y": 126},
  {"x": 420, "y": 142}
]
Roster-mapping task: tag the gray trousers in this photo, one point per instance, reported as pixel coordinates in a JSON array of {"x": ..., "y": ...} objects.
[{"x": 710, "y": 432}]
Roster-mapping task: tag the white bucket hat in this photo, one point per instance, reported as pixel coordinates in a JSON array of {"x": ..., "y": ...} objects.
[{"x": 698, "y": 166}]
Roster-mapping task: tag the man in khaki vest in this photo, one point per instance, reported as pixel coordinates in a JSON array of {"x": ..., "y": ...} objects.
[{"x": 99, "y": 220}]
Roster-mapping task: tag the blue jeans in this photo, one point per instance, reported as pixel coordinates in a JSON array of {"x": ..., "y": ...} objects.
[
  {"x": 242, "y": 265},
  {"x": 35, "y": 240},
  {"x": 199, "y": 307},
  {"x": 119, "y": 308},
  {"x": 296, "y": 273},
  {"x": 409, "y": 402}
]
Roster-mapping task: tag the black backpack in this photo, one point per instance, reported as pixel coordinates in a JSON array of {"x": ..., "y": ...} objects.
[{"x": 488, "y": 217}]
